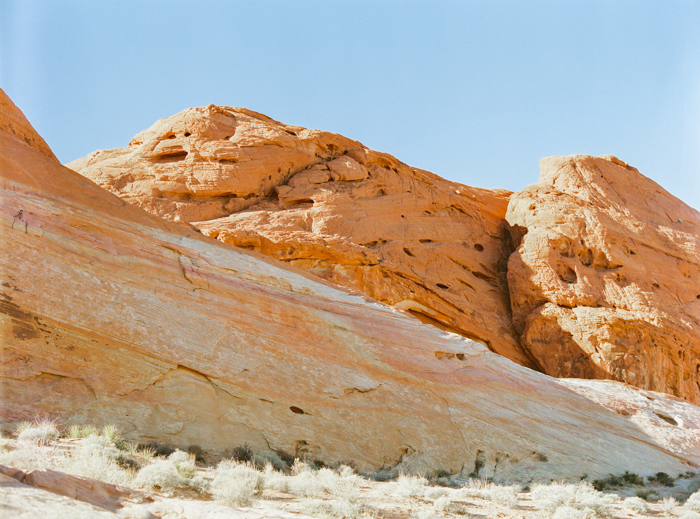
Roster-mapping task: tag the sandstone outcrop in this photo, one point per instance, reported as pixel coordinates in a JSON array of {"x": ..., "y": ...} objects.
[
  {"x": 605, "y": 282},
  {"x": 112, "y": 315},
  {"x": 324, "y": 203}
]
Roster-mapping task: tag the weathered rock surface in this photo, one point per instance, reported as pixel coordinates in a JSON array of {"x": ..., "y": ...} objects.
[
  {"x": 672, "y": 422},
  {"x": 322, "y": 202},
  {"x": 605, "y": 282},
  {"x": 112, "y": 315}
]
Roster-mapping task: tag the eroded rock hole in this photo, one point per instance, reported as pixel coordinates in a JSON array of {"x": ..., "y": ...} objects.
[
  {"x": 443, "y": 286},
  {"x": 296, "y": 410},
  {"x": 426, "y": 241},
  {"x": 566, "y": 274},
  {"x": 171, "y": 136},
  {"x": 479, "y": 247},
  {"x": 666, "y": 418},
  {"x": 176, "y": 156},
  {"x": 586, "y": 257},
  {"x": 187, "y": 134},
  {"x": 408, "y": 252}
]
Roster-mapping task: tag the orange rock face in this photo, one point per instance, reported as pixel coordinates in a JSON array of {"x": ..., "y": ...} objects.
[
  {"x": 324, "y": 203},
  {"x": 605, "y": 282},
  {"x": 109, "y": 314}
]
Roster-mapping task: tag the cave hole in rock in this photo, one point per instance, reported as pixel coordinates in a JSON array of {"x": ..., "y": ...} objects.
[
  {"x": 443, "y": 286},
  {"x": 656, "y": 285},
  {"x": 425, "y": 240},
  {"x": 171, "y": 136},
  {"x": 269, "y": 177},
  {"x": 296, "y": 410},
  {"x": 532, "y": 207},
  {"x": 187, "y": 134},
  {"x": 402, "y": 216},
  {"x": 228, "y": 161},
  {"x": 479, "y": 247},
  {"x": 408, "y": 252},
  {"x": 697, "y": 297},
  {"x": 566, "y": 274},
  {"x": 586, "y": 257},
  {"x": 175, "y": 156}
]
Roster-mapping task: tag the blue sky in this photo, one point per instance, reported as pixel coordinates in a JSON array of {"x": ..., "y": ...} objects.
[{"x": 476, "y": 92}]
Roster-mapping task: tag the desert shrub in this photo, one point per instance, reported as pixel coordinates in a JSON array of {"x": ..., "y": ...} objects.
[
  {"x": 184, "y": 463},
  {"x": 636, "y": 504},
  {"x": 236, "y": 484},
  {"x": 74, "y": 431},
  {"x": 669, "y": 504},
  {"x": 161, "y": 449},
  {"x": 40, "y": 433},
  {"x": 147, "y": 452},
  {"x": 261, "y": 460},
  {"x": 29, "y": 456},
  {"x": 241, "y": 453},
  {"x": 339, "y": 509},
  {"x": 199, "y": 454},
  {"x": 662, "y": 479},
  {"x": 580, "y": 496},
  {"x": 89, "y": 430},
  {"x": 274, "y": 480},
  {"x": 411, "y": 486},
  {"x": 646, "y": 495},
  {"x": 502, "y": 495},
  {"x": 159, "y": 475},
  {"x": 569, "y": 512},
  {"x": 436, "y": 492},
  {"x": 693, "y": 502},
  {"x": 630, "y": 478},
  {"x": 96, "y": 458},
  {"x": 199, "y": 485},
  {"x": 21, "y": 427},
  {"x": 444, "y": 504}
]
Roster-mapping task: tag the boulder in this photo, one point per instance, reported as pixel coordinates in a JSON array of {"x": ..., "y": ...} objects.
[{"x": 605, "y": 281}]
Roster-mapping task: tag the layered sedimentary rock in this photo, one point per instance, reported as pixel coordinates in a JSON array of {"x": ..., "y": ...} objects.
[
  {"x": 605, "y": 282},
  {"x": 112, "y": 315},
  {"x": 319, "y": 201}
]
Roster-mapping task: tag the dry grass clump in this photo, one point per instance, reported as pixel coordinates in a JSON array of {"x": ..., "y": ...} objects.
[
  {"x": 236, "y": 483},
  {"x": 96, "y": 458},
  {"x": 161, "y": 475},
  {"x": 581, "y": 496},
  {"x": 693, "y": 502},
  {"x": 411, "y": 486},
  {"x": 669, "y": 505},
  {"x": 636, "y": 504},
  {"x": 506, "y": 496},
  {"x": 184, "y": 463}
]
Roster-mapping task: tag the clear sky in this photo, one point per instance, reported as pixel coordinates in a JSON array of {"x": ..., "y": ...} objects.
[{"x": 475, "y": 91}]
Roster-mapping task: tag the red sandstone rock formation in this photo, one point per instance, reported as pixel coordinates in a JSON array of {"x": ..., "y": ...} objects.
[
  {"x": 111, "y": 315},
  {"x": 605, "y": 282},
  {"x": 319, "y": 201}
]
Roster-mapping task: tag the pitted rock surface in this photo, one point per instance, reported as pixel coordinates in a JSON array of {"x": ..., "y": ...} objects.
[{"x": 324, "y": 203}]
